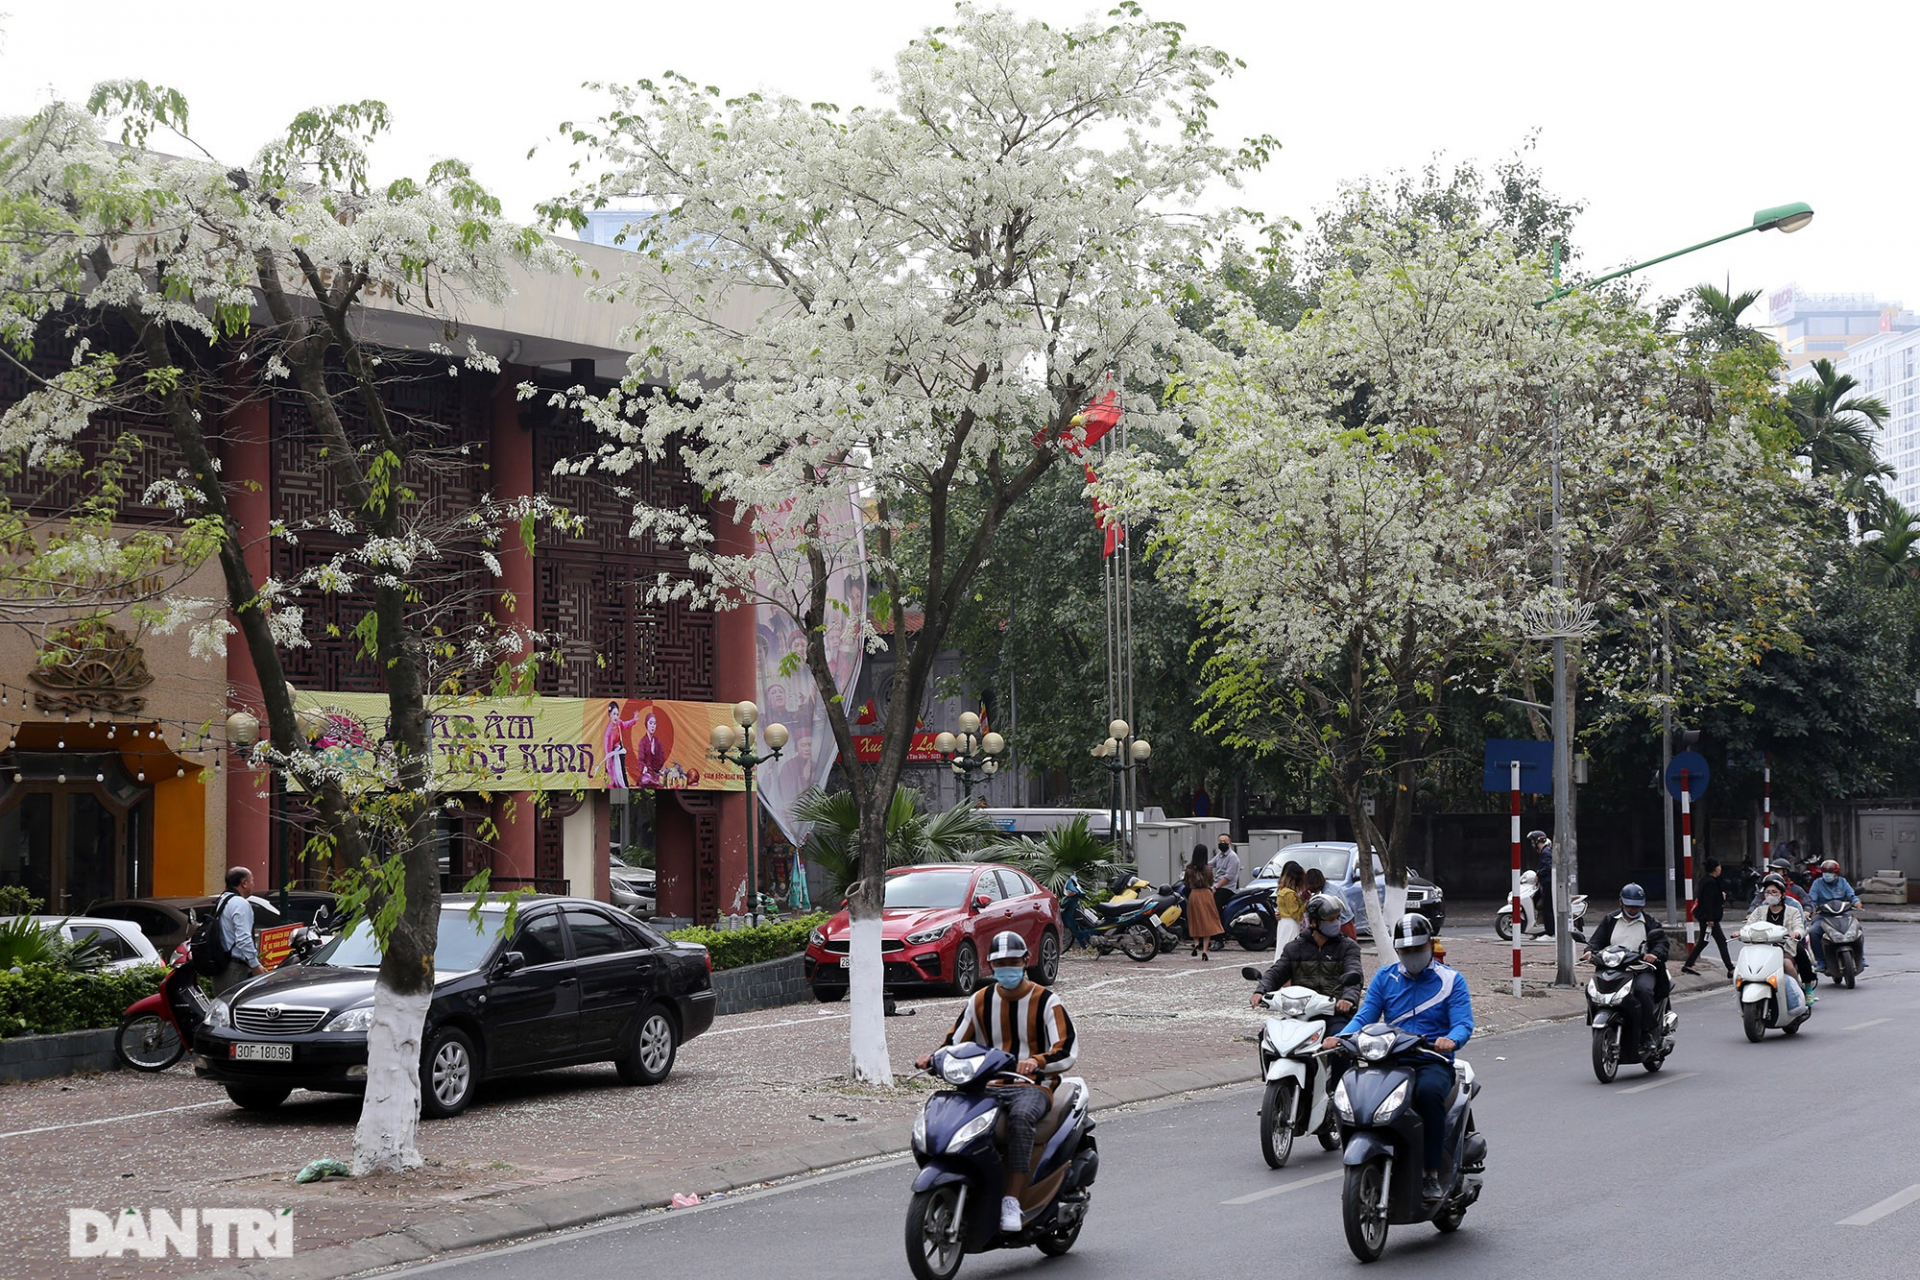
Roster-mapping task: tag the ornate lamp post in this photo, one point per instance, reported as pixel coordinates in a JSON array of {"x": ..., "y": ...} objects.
[
  {"x": 975, "y": 757},
  {"x": 1120, "y": 755},
  {"x": 736, "y": 746}
]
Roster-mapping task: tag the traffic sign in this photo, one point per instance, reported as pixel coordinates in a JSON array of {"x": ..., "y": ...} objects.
[
  {"x": 1536, "y": 765},
  {"x": 1697, "y": 772}
]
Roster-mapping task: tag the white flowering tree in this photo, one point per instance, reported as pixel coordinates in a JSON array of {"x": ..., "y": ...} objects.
[
  {"x": 184, "y": 285},
  {"x": 912, "y": 301},
  {"x": 1363, "y": 512}
]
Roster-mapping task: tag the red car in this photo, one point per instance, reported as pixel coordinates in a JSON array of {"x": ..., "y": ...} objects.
[{"x": 938, "y": 922}]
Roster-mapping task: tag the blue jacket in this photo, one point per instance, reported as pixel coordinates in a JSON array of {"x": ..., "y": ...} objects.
[
  {"x": 1433, "y": 1005},
  {"x": 1819, "y": 893}
]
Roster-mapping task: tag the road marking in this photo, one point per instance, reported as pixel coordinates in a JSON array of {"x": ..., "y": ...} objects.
[
  {"x": 1108, "y": 983},
  {"x": 1873, "y": 1213},
  {"x": 1862, "y": 1026},
  {"x": 1655, "y": 1084},
  {"x": 138, "y": 1115},
  {"x": 1285, "y": 1187},
  {"x": 768, "y": 1026}
]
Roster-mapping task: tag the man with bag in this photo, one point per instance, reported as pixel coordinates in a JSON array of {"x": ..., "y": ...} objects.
[{"x": 232, "y": 935}]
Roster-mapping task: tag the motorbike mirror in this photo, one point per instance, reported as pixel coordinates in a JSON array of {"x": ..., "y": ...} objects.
[
  {"x": 981, "y": 902},
  {"x": 511, "y": 962},
  {"x": 1250, "y": 973}
]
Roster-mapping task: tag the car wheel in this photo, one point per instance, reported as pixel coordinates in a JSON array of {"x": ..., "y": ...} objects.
[
  {"x": 261, "y": 1099},
  {"x": 449, "y": 1073},
  {"x": 655, "y": 1044},
  {"x": 966, "y": 968},
  {"x": 1048, "y": 969}
]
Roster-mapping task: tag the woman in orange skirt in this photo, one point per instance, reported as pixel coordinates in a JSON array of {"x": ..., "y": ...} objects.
[{"x": 1203, "y": 914}]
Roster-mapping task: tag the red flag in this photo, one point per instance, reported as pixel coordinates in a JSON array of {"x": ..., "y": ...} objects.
[
  {"x": 866, "y": 714},
  {"x": 1116, "y": 533},
  {"x": 1099, "y": 417}
]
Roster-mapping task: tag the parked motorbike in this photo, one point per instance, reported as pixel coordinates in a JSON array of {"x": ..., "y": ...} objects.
[
  {"x": 1132, "y": 927},
  {"x": 1841, "y": 937},
  {"x": 1530, "y": 913},
  {"x": 1296, "y": 1071},
  {"x": 1760, "y": 981},
  {"x": 1251, "y": 919},
  {"x": 1614, "y": 1015},
  {"x": 1381, "y": 1133},
  {"x": 955, "y": 1208},
  {"x": 156, "y": 1030}
]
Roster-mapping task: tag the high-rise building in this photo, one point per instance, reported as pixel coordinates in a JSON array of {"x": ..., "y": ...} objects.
[
  {"x": 1814, "y": 326},
  {"x": 1887, "y": 367}
]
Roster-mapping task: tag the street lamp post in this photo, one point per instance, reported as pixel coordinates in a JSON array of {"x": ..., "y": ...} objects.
[
  {"x": 736, "y": 747},
  {"x": 1120, "y": 755},
  {"x": 1786, "y": 218},
  {"x": 975, "y": 756}
]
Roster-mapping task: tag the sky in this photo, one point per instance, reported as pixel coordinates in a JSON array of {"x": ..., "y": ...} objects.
[{"x": 1673, "y": 121}]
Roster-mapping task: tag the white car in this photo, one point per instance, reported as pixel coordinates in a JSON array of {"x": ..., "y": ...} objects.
[{"x": 125, "y": 945}]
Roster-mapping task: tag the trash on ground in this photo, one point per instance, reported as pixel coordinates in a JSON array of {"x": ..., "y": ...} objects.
[{"x": 324, "y": 1169}]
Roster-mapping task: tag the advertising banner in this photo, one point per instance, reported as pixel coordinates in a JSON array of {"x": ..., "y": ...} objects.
[{"x": 535, "y": 744}]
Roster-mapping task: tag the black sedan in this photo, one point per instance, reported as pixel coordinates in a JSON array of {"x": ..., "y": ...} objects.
[{"x": 578, "y": 981}]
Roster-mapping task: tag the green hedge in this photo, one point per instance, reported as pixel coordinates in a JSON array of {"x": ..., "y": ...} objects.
[
  {"x": 40, "y": 999},
  {"x": 737, "y": 947}
]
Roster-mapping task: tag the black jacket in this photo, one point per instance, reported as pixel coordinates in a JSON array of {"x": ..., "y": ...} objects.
[
  {"x": 1602, "y": 937},
  {"x": 1333, "y": 970},
  {"x": 1711, "y": 904}
]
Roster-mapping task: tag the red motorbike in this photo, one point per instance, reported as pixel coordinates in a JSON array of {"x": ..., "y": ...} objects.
[{"x": 155, "y": 1031}]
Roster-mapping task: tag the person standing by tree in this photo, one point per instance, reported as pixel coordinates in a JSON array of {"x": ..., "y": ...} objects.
[
  {"x": 1203, "y": 916},
  {"x": 1708, "y": 910}
]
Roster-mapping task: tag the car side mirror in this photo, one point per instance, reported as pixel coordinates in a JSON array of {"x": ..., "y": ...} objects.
[
  {"x": 981, "y": 902},
  {"x": 511, "y": 962}
]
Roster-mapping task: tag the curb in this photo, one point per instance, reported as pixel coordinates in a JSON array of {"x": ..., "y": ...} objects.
[{"x": 592, "y": 1200}]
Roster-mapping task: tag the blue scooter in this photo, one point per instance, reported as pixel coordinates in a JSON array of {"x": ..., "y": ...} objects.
[
  {"x": 955, "y": 1208},
  {"x": 1133, "y": 927}
]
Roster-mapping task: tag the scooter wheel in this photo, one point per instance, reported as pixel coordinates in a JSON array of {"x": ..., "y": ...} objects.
[
  {"x": 148, "y": 1042},
  {"x": 1754, "y": 1021},
  {"x": 1606, "y": 1053},
  {"x": 1449, "y": 1220},
  {"x": 1329, "y": 1134},
  {"x": 936, "y": 1244},
  {"x": 1503, "y": 925},
  {"x": 1363, "y": 1209},
  {"x": 1276, "y": 1123},
  {"x": 1791, "y": 1029},
  {"x": 1055, "y": 1243}
]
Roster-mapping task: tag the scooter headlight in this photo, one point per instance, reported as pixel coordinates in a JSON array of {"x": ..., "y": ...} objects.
[
  {"x": 958, "y": 1070},
  {"x": 970, "y": 1132},
  {"x": 1293, "y": 1007},
  {"x": 1341, "y": 1103},
  {"x": 920, "y": 1132},
  {"x": 1392, "y": 1103},
  {"x": 1374, "y": 1048},
  {"x": 221, "y": 1015}
]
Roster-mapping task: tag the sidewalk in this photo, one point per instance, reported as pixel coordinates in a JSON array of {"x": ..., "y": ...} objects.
[{"x": 761, "y": 1097}]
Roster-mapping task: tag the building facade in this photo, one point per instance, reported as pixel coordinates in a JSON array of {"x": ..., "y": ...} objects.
[
  {"x": 1817, "y": 326},
  {"x": 1887, "y": 367}
]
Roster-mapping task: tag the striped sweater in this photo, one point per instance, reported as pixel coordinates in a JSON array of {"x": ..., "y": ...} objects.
[{"x": 1027, "y": 1022}]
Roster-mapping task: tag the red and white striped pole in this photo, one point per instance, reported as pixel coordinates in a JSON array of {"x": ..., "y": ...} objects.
[
  {"x": 1766, "y": 815},
  {"x": 1686, "y": 850},
  {"x": 1519, "y": 920}
]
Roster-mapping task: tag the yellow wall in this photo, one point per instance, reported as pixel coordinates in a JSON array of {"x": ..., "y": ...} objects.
[{"x": 180, "y": 847}]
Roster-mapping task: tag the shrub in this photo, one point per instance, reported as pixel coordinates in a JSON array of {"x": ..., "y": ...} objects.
[
  {"x": 40, "y": 999},
  {"x": 737, "y": 947},
  {"x": 16, "y": 901}
]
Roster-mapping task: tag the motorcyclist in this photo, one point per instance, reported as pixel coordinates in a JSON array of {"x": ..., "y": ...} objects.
[
  {"x": 1322, "y": 959},
  {"x": 1543, "y": 883},
  {"x": 1631, "y": 927},
  {"x": 1776, "y": 908},
  {"x": 1789, "y": 886},
  {"x": 1829, "y": 886},
  {"x": 1018, "y": 1016},
  {"x": 1427, "y": 999}
]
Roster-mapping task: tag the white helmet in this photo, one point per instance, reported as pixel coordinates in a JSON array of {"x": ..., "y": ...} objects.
[{"x": 1008, "y": 948}]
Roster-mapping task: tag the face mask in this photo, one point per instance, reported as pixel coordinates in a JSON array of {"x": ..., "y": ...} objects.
[
  {"x": 1009, "y": 976},
  {"x": 1416, "y": 962},
  {"x": 1330, "y": 928},
  {"x": 1631, "y": 913},
  {"x": 1829, "y": 877},
  {"x": 1225, "y": 848},
  {"x": 1773, "y": 899}
]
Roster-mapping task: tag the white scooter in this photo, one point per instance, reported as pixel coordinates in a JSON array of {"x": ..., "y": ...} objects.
[
  {"x": 1760, "y": 979},
  {"x": 1529, "y": 913},
  {"x": 1295, "y": 1071}
]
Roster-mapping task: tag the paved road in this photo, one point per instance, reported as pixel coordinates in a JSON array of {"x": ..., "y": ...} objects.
[{"x": 1688, "y": 1164}]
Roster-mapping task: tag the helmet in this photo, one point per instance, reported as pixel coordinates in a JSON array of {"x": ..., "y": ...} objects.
[
  {"x": 1830, "y": 865},
  {"x": 1781, "y": 865},
  {"x": 1411, "y": 932},
  {"x": 1632, "y": 895},
  {"x": 1008, "y": 947},
  {"x": 1324, "y": 906},
  {"x": 1774, "y": 882},
  {"x": 1534, "y": 837}
]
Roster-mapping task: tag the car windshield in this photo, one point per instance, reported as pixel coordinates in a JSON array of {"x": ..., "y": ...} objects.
[
  {"x": 1332, "y": 862},
  {"x": 463, "y": 942},
  {"x": 921, "y": 890}
]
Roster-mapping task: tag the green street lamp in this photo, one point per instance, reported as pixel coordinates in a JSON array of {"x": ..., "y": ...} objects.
[
  {"x": 1120, "y": 755},
  {"x": 975, "y": 756},
  {"x": 736, "y": 747},
  {"x": 1787, "y": 218}
]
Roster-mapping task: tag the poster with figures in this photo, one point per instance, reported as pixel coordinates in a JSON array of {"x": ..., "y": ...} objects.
[{"x": 787, "y": 691}]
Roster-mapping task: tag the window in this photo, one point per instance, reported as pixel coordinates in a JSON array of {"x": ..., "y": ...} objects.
[
  {"x": 110, "y": 943},
  {"x": 539, "y": 941},
  {"x": 1021, "y": 882},
  {"x": 989, "y": 884},
  {"x": 595, "y": 935}
]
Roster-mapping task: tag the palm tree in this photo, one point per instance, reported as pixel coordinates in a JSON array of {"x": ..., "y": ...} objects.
[
  {"x": 1838, "y": 430},
  {"x": 1062, "y": 852},
  {"x": 1892, "y": 543},
  {"x": 913, "y": 835},
  {"x": 1716, "y": 322}
]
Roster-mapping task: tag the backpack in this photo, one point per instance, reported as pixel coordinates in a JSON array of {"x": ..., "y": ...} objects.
[{"x": 206, "y": 943}]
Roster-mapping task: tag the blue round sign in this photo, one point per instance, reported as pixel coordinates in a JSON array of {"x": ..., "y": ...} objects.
[{"x": 1697, "y": 773}]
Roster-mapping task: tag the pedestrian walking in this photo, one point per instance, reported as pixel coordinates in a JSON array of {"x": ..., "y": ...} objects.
[
  {"x": 1203, "y": 917},
  {"x": 1289, "y": 906},
  {"x": 1709, "y": 909},
  {"x": 235, "y": 916}
]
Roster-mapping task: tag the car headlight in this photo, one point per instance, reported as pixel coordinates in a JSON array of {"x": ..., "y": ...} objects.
[
  {"x": 928, "y": 935},
  {"x": 818, "y": 938},
  {"x": 972, "y": 1129},
  {"x": 1391, "y": 1103},
  {"x": 222, "y": 1015},
  {"x": 1341, "y": 1104},
  {"x": 356, "y": 1019}
]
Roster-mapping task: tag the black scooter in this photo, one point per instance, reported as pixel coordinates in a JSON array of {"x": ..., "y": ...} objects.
[
  {"x": 1614, "y": 1015},
  {"x": 1381, "y": 1134},
  {"x": 1840, "y": 939}
]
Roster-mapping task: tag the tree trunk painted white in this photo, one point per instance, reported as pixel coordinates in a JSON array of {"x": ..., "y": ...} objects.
[
  {"x": 865, "y": 988},
  {"x": 383, "y": 1141}
]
